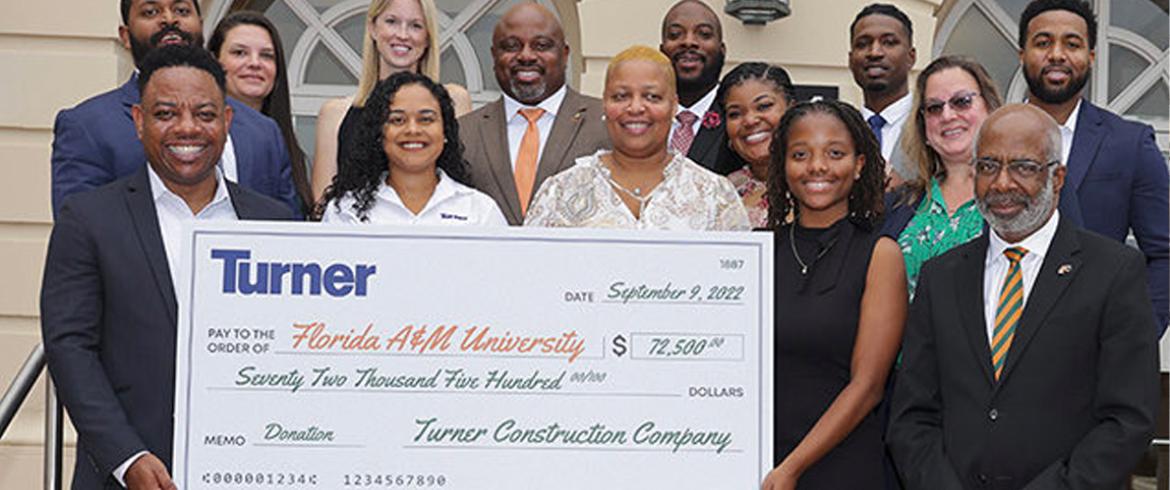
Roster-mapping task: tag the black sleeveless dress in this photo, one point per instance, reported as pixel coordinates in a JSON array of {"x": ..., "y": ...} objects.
[{"x": 816, "y": 317}]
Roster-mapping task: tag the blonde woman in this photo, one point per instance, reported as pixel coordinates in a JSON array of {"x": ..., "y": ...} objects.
[{"x": 401, "y": 35}]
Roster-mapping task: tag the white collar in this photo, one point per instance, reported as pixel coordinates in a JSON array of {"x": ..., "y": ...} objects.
[
  {"x": 1037, "y": 243},
  {"x": 702, "y": 106},
  {"x": 550, "y": 104},
  {"x": 445, "y": 189},
  {"x": 1070, "y": 125},
  {"x": 158, "y": 189},
  {"x": 893, "y": 112}
]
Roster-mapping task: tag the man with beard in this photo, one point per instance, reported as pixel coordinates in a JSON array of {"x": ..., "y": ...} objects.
[
  {"x": 1117, "y": 178},
  {"x": 1027, "y": 360},
  {"x": 108, "y": 311},
  {"x": 545, "y": 123},
  {"x": 881, "y": 54},
  {"x": 94, "y": 143},
  {"x": 692, "y": 37}
]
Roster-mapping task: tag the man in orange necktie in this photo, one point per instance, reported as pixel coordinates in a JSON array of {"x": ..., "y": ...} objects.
[
  {"x": 540, "y": 125},
  {"x": 1029, "y": 358}
]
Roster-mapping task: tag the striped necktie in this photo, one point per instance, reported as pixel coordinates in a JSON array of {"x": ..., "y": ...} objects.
[{"x": 1011, "y": 305}]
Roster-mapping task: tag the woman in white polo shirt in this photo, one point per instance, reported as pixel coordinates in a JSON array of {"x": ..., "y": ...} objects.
[{"x": 406, "y": 164}]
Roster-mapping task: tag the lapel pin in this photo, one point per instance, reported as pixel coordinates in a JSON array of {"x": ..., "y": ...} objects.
[{"x": 1064, "y": 269}]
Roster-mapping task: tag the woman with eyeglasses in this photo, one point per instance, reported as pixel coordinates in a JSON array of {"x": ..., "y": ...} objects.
[{"x": 936, "y": 211}]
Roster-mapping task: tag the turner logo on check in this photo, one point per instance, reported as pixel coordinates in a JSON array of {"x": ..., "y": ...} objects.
[{"x": 241, "y": 275}]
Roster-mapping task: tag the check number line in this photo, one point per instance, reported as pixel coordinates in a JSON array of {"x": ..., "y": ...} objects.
[
  {"x": 562, "y": 448},
  {"x": 684, "y": 302},
  {"x": 443, "y": 392}
]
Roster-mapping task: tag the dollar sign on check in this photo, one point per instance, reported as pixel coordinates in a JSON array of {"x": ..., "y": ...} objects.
[{"x": 619, "y": 345}]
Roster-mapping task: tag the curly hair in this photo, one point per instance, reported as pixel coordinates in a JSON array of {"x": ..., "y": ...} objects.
[
  {"x": 363, "y": 160},
  {"x": 865, "y": 197}
]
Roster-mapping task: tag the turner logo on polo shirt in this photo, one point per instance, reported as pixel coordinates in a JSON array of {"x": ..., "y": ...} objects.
[{"x": 243, "y": 276}]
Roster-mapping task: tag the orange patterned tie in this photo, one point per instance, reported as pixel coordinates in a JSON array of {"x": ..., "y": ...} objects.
[
  {"x": 1011, "y": 305},
  {"x": 525, "y": 172}
]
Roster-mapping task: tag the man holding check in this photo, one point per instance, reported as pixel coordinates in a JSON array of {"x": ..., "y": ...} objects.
[{"x": 108, "y": 308}]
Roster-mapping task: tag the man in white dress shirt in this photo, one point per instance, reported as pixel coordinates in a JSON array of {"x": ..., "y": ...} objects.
[
  {"x": 881, "y": 54},
  {"x": 1028, "y": 359},
  {"x": 108, "y": 308},
  {"x": 546, "y": 124}
]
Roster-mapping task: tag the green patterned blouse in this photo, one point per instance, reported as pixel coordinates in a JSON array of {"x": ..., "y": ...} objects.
[{"x": 931, "y": 232}]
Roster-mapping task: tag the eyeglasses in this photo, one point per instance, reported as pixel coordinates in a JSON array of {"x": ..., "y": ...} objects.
[
  {"x": 1018, "y": 169},
  {"x": 959, "y": 103}
]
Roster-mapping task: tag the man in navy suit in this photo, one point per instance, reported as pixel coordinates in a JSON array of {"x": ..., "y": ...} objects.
[
  {"x": 94, "y": 143},
  {"x": 1117, "y": 179},
  {"x": 108, "y": 307}
]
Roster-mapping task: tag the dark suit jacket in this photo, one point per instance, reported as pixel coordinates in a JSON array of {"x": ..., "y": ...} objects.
[
  {"x": 577, "y": 131},
  {"x": 1120, "y": 180},
  {"x": 95, "y": 143},
  {"x": 1075, "y": 405},
  {"x": 710, "y": 146},
  {"x": 108, "y": 320}
]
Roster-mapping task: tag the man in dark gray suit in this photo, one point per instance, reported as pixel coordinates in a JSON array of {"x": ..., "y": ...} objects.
[
  {"x": 108, "y": 308},
  {"x": 1028, "y": 360},
  {"x": 540, "y": 125}
]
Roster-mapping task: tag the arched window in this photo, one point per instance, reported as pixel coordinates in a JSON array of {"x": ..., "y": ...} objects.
[
  {"x": 1130, "y": 76},
  {"x": 323, "y": 42}
]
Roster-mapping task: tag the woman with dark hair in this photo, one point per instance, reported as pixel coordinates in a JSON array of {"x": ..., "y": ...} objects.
[
  {"x": 754, "y": 96},
  {"x": 406, "y": 164},
  {"x": 248, "y": 46},
  {"x": 935, "y": 211},
  {"x": 840, "y": 299}
]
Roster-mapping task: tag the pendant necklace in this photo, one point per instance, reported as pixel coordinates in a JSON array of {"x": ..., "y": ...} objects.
[
  {"x": 792, "y": 241},
  {"x": 635, "y": 194}
]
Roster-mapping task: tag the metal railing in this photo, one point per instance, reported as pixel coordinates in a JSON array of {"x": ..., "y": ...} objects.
[{"x": 14, "y": 397}]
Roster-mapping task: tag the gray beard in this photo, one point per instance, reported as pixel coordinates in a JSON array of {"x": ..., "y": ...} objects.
[
  {"x": 527, "y": 93},
  {"x": 1034, "y": 215}
]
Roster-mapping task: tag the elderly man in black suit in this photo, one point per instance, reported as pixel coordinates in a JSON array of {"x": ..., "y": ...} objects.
[
  {"x": 1028, "y": 360},
  {"x": 108, "y": 298}
]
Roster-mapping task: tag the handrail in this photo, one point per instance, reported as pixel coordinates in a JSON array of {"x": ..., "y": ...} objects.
[
  {"x": 21, "y": 385},
  {"x": 14, "y": 397}
]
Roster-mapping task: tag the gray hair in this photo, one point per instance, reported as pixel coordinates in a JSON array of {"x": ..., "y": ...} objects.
[{"x": 1051, "y": 154}]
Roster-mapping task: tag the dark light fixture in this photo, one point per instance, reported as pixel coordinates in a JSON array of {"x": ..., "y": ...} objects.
[{"x": 757, "y": 12}]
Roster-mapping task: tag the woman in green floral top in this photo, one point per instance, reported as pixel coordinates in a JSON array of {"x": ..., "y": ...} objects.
[{"x": 936, "y": 212}]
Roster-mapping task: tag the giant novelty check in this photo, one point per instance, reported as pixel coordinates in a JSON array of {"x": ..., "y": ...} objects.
[{"x": 322, "y": 357}]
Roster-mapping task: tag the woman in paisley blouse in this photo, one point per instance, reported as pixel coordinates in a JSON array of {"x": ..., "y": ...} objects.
[
  {"x": 936, "y": 211},
  {"x": 754, "y": 96},
  {"x": 640, "y": 184}
]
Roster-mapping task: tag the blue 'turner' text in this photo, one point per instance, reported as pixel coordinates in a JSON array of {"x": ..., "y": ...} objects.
[{"x": 241, "y": 275}]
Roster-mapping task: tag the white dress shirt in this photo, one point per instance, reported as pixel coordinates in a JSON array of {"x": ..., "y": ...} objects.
[
  {"x": 227, "y": 161},
  {"x": 995, "y": 267},
  {"x": 172, "y": 212},
  {"x": 895, "y": 116},
  {"x": 1067, "y": 130},
  {"x": 451, "y": 203},
  {"x": 517, "y": 124},
  {"x": 699, "y": 109}
]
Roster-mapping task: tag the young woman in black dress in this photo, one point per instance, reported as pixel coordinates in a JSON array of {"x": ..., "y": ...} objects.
[{"x": 840, "y": 299}]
